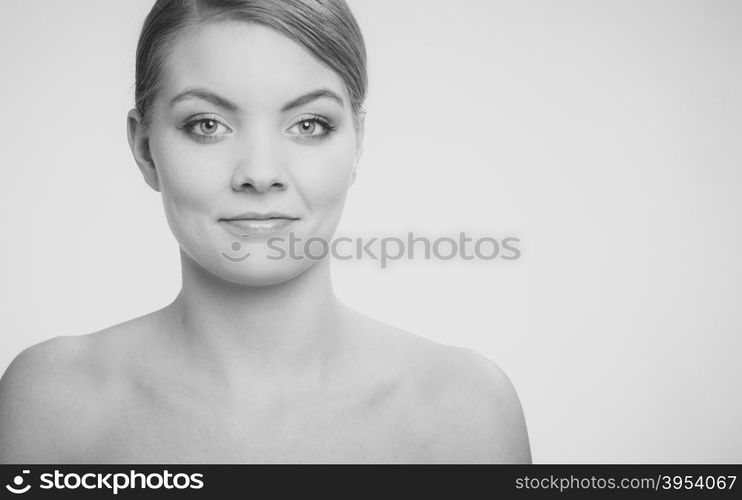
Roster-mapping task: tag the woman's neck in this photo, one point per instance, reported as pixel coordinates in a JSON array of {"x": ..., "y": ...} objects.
[{"x": 278, "y": 334}]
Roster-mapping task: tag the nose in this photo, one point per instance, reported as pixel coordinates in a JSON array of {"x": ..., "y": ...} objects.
[{"x": 259, "y": 167}]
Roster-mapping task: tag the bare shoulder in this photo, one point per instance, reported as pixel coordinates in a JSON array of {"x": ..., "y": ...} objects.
[
  {"x": 54, "y": 396},
  {"x": 475, "y": 411},
  {"x": 45, "y": 401},
  {"x": 462, "y": 406}
]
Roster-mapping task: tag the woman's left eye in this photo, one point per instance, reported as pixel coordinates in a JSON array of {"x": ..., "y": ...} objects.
[{"x": 314, "y": 127}]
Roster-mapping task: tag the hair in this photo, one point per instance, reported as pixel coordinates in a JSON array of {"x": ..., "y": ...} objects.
[{"x": 326, "y": 28}]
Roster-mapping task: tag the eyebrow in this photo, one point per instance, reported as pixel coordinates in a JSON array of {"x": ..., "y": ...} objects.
[
  {"x": 207, "y": 95},
  {"x": 311, "y": 96}
]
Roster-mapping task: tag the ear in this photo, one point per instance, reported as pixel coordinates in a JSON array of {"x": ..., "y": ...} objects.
[
  {"x": 139, "y": 144},
  {"x": 360, "y": 132}
]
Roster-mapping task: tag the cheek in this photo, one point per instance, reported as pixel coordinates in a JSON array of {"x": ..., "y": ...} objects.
[
  {"x": 322, "y": 174},
  {"x": 188, "y": 180}
]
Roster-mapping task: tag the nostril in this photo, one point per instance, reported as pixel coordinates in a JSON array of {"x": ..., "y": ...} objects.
[{"x": 259, "y": 187}]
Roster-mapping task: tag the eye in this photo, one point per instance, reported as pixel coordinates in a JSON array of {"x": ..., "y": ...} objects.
[
  {"x": 207, "y": 128},
  {"x": 308, "y": 127},
  {"x": 314, "y": 127}
]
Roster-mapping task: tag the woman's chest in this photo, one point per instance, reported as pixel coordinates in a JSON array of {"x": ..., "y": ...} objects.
[{"x": 337, "y": 431}]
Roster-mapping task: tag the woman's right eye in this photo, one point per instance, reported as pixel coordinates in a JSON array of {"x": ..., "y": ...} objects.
[{"x": 207, "y": 129}]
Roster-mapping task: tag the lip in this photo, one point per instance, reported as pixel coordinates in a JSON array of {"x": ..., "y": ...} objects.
[
  {"x": 260, "y": 216},
  {"x": 255, "y": 224}
]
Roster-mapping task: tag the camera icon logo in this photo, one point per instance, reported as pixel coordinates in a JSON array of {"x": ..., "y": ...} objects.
[{"x": 18, "y": 482}]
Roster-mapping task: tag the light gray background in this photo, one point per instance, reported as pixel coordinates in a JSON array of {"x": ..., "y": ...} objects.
[{"x": 605, "y": 135}]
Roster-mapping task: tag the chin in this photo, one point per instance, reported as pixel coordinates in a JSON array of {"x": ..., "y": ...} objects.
[
  {"x": 266, "y": 275},
  {"x": 250, "y": 264},
  {"x": 256, "y": 271}
]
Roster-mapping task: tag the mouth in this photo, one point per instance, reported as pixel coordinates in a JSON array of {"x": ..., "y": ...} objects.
[{"x": 258, "y": 224}]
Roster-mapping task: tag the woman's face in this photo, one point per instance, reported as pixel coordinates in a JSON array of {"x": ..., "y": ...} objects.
[{"x": 247, "y": 121}]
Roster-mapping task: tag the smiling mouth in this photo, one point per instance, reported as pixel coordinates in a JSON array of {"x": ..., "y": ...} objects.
[{"x": 257, "y": 226}]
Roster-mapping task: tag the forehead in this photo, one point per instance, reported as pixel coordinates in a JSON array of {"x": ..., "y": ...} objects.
[{"x": 253, "y": 65}]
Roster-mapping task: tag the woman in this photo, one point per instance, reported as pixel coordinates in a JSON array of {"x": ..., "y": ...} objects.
[{"x": 249, "y": 122}]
